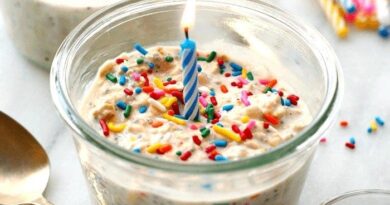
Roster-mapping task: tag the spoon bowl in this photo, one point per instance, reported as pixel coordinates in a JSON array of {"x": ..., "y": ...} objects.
[{"x": 24, "y": 165}]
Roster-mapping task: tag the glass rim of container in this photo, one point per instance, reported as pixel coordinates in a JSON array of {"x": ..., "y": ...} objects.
[
  {"x": 318, "y": 45},
  {"x": 354, "y": 193}
]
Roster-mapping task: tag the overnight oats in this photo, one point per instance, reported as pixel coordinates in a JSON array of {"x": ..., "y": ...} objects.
[{"x": 235, "y": 122}]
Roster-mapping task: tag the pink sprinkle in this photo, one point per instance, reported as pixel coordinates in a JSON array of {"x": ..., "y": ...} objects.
[
  {"x": 193, "y": 127},
  {"x": 204, "y": 94},
  {"x": 323, "y": 140},
  {"x": 242, "y": 80},
  {"x": 251, "y": 124},
  {"x": 136, "y": 76},
  {"x": 263, "y": 82},
  {"x": 203, "y": 101},
  {"x": 159, "y": 92},
  {"x": 368, "y": 7},
  {"x": 244, "y": 98}
]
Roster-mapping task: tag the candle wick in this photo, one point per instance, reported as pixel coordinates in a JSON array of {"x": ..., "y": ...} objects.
[{"x": 186, "y": 32}]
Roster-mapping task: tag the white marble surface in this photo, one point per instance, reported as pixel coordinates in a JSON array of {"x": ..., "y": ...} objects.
[{"x": 24, "y": 94}]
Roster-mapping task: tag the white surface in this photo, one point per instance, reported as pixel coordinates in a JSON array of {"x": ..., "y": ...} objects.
[{"x": 24, "y": 94}]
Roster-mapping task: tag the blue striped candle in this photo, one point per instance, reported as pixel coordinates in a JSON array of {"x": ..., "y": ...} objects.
[{"x": 190, "y": 79}]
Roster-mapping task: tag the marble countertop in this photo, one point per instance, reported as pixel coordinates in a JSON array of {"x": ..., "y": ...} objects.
[{"x": 365, "y": 58}]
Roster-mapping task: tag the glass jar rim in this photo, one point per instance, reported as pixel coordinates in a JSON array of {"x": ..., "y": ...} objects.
[
  {"x": 318, "y": 45},
  {"x": 356, "y": 193}
]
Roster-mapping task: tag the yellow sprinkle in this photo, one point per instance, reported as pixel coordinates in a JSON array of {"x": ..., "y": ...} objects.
[
  {"x": 244, "y": 72},
  {"x": 373, "y": 126},
  {"x": 116, "y": 128},
  {"x": 158, "y": 83},
  {"x": 335, "y": 16},
  {"x": 163, "y": 100},
  {"x": 156, "y": 104},
  {"x": 245, "y": 119},
  {"x": 153, "y": 148},
  {"x": 202, "y": 110},
  {"x": 227, "y": 133},
  {"x": 174, "y": 119},
  {"x": 133, "y": 139},
  {"x": 170, "y": 101}
]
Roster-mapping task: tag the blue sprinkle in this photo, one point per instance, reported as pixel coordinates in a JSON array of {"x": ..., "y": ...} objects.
[
  {"x": 282, "y": 101},
  {"x": 220, "y": 124},
  {"x": 220, "y": 143},
  {"x": 151, "y": 65},
  {"x": 212, "y": 92},
  {"x": 122, "y": 105},
  {"x": 236, "y": 67},
  {"x": 138, "y": 90},
  {"x": 122, "y": 80},
  {"x": 227, "y": 107},
  {"x": 274, "y": 90},
  {"x": 286, "y": 102},
  {"x": 352, "y": 140},
  {"x": 379, "y": 120},
  {"x": 124, "y": 68},
  {"x": 140, "y": 49},
  {"x": 369, "y": 130},
  {"x": 180, "y": 116},
  {"x": 236, "y": 73},
  {"x": 199, "y": 68},
  {"x": 143, "y": 109},
  {"x": 207, "y": 186},
  {"x": 222, "y": 67},
  {"x": 384, "y": 31},
  {"x": 137, "y": 150},
  {"x": 219, "y": 158}
]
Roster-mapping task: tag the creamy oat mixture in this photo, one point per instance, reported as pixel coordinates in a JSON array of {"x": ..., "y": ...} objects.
[{"x": 135, "y": 101}]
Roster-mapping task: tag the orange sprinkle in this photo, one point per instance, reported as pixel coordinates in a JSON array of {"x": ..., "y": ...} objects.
[
  {"x": 272, "y": 83},
  {"x": 271, "y": 119},
  {"x": 165, "y": 148},
  {"x": 147, "y": 89},
  {"x": 344, "y": 123},
  {"x": 224, "y": 89},
  {"x": 157, "y": 124}
]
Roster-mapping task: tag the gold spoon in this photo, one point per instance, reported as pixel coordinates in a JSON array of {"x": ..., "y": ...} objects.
[{"x": 24, "y": 165}]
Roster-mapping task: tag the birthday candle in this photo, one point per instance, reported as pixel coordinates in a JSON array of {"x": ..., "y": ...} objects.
[{"x": 334, "y": 15}]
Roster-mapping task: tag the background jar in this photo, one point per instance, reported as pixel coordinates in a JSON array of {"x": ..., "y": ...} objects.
[{"x": 293, "y": 52}]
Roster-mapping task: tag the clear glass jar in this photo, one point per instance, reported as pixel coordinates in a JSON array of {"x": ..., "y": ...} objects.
[
  {"x": 37, "y": 27},
  {"x": 362, "y": 197},
  {"x": 116, "y": 176}
]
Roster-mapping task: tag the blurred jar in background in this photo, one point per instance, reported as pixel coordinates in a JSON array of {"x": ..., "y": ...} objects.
[{"x": 37, "y": 27}]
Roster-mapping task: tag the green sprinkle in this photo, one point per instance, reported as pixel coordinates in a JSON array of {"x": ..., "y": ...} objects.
[
  {"x": 111, "y": 78},
  {"x": 250, "y": 75},
  {"x": 205, "y": 133},
  {"x": 211, "y": 56},
  {"x": 178, "y": 153},
  {"x": 267, "y": 89},
  {"x": 202, "y": 59},
  {"x": 140, "y": 61},
  {"x": 169, "y": 79},
  {"x": 169, "y": 59},
  {"x": 127, "y": 111},
  {"x": 221, "y": 70},
  {"x": 210, "y": 112},
  {"x": 203, "y": 128}
]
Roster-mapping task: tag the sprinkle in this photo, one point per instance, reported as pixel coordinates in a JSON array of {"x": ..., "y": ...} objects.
[
  {"x": 245, "y": 119},
  {"x": 145, "y": 76},
  {"x": 147, "y": 89},
  {"x": 119, "y": 61},
  {"x": 196, "y": 140},
  {"x": 174, "y": 119},
  {"x": 156, "y": 104},
  {"x": 116, "y": 128},
  {"x": 236, "y": 129},
  {"x": 140, "y": 61},
  {"x": 136, "y": 76},
  {"x": 265, "y": 125},
  {"x": 247, "y": 134},
  {"x": 227, "y": 74},
  {"x": 373, "y": 126},
  {"x": 203, "y": 101},
  {"x": 137, "y": 150},
  {"x": 124, "y": 69},
  {"x": 138, "y": 90},
  {"x": 178, "y": 153},
  {"x": 251, "y": 124},
  {"x": 127, "y": 111},
  {"x": 175, "y": 108},
  {"x": 122, "y": 80},
  {"x": 272, "y": 83},
  {"x": 286, "y": 102},
  {"x": 235, "y": 67},
  {"x": 227, "y": 133},
  {"x": 211, "y": 56},
  {"x": 213, "y": 100},
  {"x": 344, "y": 123},
  {"x": 212, "y": 92},
  {"x": 122, "y": 105},
  {"x": 111, "y": 78},
  {"x": 350, "y": 145},
  {"x": 227, "y": 107},
  {"x": 293, "y": 99},
  {"x": 142, "y": 109},
  {"x": 193, "y": 127},
  {"x": 236, "y": 73},
  {"x": 185, "y": 155},
  {"x": 170, "y": 101},
  {"x": 199, "y": 68},
  {"x": 104, "y": 126},
  {"x": 127, "y": 91},
  {"x": 140, "y": 49},
  {"x": 250, "y": 76},
  {"x": 323, "y": 140},
  {"x": 156, "y": 124},
  {"x": 158, "y": 83},
  {"x": 271, "y": 119},
  {"x": 205, "y": 132},
  {"x": 220, "y": 143},
  {"x": 164, "y": 149},
  {"x": 242, "y": 80},
  {"x": 369, "y": 130},
  {"x": 213, "y": 154},
  {"x": 263, "y": 81},
  {"x": 151, "y": 65},
  {"x": 168, "y": 59},
  {"x": 224, "y": 88},
  {"x": 210, "y": 148},
  {"x": 380, "y": 121},
  {"x": 220, "y": 158},
  {"x": 202, "y": 59},
  {"x": 178, "y": 95},
  {"x": 153, "y": 148},
  {"x": 244, "y": 98},
  {"x": 244, "y": 73},
  {"x": 352, "y": 140}
]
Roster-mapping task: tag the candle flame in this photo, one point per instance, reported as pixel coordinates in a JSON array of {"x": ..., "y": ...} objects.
[{"x": 188, "y": 19}]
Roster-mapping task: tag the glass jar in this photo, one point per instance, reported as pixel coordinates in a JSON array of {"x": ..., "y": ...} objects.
[
  {"x": 361, "y": 197},
  {"x": 37, "y": 27},
  {"x": 293, "y": 52}
]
